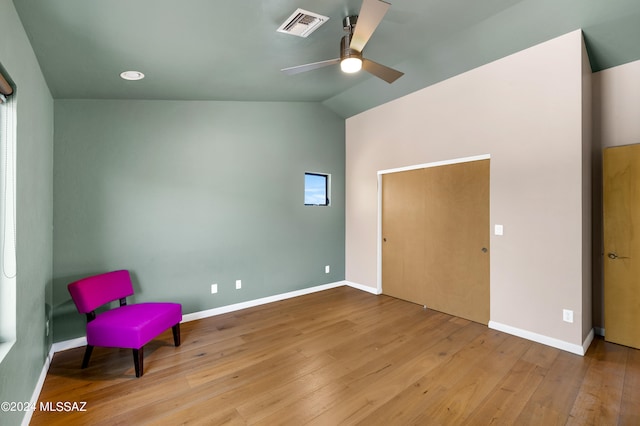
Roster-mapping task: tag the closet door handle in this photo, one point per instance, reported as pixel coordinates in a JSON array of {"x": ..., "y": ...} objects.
[{"x": 614, "y": 256}]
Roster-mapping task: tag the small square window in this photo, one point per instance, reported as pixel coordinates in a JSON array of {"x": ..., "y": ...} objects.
[{"x": 316, "y": 189}]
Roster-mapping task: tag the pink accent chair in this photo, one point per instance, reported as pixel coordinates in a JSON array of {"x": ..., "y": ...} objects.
[{"x": 127, "y": 326}]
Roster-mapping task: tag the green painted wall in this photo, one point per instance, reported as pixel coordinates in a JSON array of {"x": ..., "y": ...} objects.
[
  {"x": 186, "y": 194},
  {"x": 20, "y": 370}
]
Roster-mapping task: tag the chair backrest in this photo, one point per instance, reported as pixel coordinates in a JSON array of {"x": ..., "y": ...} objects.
[{"x": 92, "y": 292}]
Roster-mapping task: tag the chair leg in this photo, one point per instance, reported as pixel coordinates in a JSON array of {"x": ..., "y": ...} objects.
[
  {"x": 87, "y": 355},
  {"x": 176, "y": 334},
  {"x": 138, "y": 361}
]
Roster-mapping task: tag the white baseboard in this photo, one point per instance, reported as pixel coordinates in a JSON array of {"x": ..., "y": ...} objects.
[
  {"x": 257, "y": 302},
  {"x": 38, "y": 388},
  {"x": 368, "y": 289},
  {"x": 68, "y": 344},
  {"x": 587, "y": 341},
  {"x": 545, "y": 340}
]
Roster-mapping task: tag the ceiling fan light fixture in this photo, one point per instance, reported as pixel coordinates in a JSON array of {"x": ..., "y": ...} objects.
[
  {"x": 350, "y": 59},
  {"x": 351, "y": 65},
  {"x": 359, "y": 29}
]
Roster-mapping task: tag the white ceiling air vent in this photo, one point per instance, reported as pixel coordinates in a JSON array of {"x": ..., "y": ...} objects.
[{"x": 302, "y": 23}]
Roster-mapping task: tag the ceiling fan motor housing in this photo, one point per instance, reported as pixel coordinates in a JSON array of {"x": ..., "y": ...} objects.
[
  {"x": 346, "y": 51},
  {"x": 349, "y": 24}
]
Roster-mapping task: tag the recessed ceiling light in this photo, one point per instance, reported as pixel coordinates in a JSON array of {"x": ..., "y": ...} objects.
[{"x": 132, "y": 75}]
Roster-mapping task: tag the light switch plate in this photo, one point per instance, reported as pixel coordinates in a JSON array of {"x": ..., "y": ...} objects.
[
  {"x": 499, "y": 230},
  {"x": 567, "y": 315}
]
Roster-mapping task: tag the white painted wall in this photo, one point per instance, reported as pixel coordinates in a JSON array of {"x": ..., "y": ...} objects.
[
  {"x": 617, "y": 96},
  {"x": 616, "y": 113},
  {"x": 525, "y": 111}
]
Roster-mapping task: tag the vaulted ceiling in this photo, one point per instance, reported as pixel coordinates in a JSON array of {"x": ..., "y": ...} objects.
[{"x": 230, "y": 50}]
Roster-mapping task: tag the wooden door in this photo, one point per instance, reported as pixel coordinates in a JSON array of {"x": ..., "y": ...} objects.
[
  {"x": 621, "y": 202},
  {"x": 403, "y": 234},
  {"x": 435, "y": 231}
]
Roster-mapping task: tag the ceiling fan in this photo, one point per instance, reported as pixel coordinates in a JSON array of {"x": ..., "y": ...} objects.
[{"x": 352, "y": 44}]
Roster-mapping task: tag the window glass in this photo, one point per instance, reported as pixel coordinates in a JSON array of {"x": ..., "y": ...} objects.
[
  {"x": 7, "y": 224},
  {"x": 316, "y": 189}
]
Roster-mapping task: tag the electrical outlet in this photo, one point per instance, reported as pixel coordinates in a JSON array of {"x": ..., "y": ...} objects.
[
  {"x": 214, "y": 288},
  {"x": 567, "y": 315},
  {"x": 327, "y": 269},
  {"x": 238, "y": 284}
]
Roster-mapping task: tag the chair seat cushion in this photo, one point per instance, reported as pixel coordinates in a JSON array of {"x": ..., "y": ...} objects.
[{"x": 132, "y": 326}]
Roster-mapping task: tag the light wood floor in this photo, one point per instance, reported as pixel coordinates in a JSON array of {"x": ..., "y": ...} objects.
[{"x": 344, "y": 356}]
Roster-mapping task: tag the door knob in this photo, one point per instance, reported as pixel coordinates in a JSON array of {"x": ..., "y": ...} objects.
[{"x": 614, "y": 255}]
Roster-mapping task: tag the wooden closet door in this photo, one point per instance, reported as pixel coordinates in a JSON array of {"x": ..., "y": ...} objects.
[
  {"x": 403, "y": 235},
  {"x": 435, "y": 231},
  {"x": 621, "y": 202}
]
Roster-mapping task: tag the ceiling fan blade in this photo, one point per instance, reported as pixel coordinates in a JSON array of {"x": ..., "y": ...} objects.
[
  {"x": 309, "y": 67},
  {"x": 387, "y": 74},
  {"x": 371, "y": 13}
]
